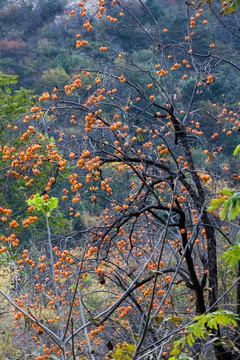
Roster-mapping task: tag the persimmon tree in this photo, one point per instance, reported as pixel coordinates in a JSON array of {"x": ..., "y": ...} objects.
[{"x": 112, "y": 175}]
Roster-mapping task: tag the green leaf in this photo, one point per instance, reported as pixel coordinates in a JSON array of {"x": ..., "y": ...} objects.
[
  {"x": 140, "y": 137},
  {"x": 175, "y": 319},
  {"x": 234, "y": 7},
  {"x": 226, "y": 192},
  {"x": 232, "y": 256},
  {"x": 175, "y": 351},
  {"x": 123, "y": 352},
  {"x": 189, "y": 341},
  {"x": 214, "y": 204},
  {"x": 8, "y": 91},
  {"x": 52, "y": 203},
  {"x": 223, "y": 212},
  {"x": 136, "y": 336},
  {"x": 233, "y": 209},
  {"x": 40, "y": 204},
  {"x": 198, "y": 329},
  {"x": 238, "y": 3},
  {"x": 238, "y": 147}
]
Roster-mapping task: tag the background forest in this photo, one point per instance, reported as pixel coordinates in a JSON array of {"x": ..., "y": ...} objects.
[{"x": 119, "y": 179}]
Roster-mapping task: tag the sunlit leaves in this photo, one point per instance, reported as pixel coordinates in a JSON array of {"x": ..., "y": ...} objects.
[{"x": 41, "y": 205}]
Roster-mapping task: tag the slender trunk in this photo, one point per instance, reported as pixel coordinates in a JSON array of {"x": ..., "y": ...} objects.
[
  {"x": 54, "y": 278},
  {"x": 85, "y": 329},
  {"x": 212, "y": 261},
  {"x": 220, "y": 352}
]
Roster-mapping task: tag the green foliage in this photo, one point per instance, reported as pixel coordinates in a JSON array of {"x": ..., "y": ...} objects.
[
  {"x": 8, "y": 348},
  {"x": 155, "y": 9},
  {"x": 236, "y": 151},
  {"x": 7, "y": 80},
  {"x": 123, "y": 352},
  {"x": 212, "y": 321},
  {"x": 13, "y": 104},
  {"x": 203, "y": 326},
  {"x": 52, "y": 77},
  {"x": 41, "y": 205},
  {"x": 49, "y": 9},
  {"x": 230, "y": 205},
  {"x": 230, "y": 208},
  {"x": 46, "y": 48},
  {"x": 232, "y": 256},
  {"x": 231, "y": 7}
]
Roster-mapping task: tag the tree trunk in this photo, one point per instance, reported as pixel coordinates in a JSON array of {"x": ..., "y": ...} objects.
[{"x": 198, "y": 197}]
